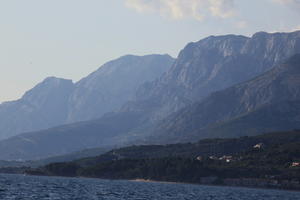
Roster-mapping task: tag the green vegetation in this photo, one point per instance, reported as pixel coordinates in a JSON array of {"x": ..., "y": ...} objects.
[{"x": 272, "y": 161}]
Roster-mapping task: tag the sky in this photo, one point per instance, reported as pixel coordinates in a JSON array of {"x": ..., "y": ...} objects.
[{"x": 72, "y": 38}]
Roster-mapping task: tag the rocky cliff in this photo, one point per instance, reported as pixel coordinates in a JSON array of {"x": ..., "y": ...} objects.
[
  {"x": 213, "y": 64},
  {"x": 269, "y": 102}
]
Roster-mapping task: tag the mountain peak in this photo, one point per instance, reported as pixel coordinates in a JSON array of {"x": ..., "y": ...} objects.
[
  {"x": 53, "y": 79},
  {"x": 115, "y": 83},
  {"x": 47, "y": 85},
  {"x": 259, "y": 34},
  {"x": 143, "y": 56}
]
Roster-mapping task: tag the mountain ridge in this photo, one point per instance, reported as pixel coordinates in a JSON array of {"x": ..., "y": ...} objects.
[
  {"x": 57, "y": 101},
  {"x": 197, "y": 72},
  {"x": 213, "y": 64}
]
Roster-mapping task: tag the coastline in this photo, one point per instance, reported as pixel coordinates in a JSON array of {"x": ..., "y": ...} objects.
[
  {"x": 208, "y": 181},
  {"x": 141, "y": 180},
  {"x": 212, "y": 185},
  {"x": 124, "y": 189},
  {"x": 217, "y": 185},
  {"x": 155, "y": 181}
]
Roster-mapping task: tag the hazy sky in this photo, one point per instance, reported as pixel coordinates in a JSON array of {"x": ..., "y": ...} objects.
[{"x": 71, "y": 38}]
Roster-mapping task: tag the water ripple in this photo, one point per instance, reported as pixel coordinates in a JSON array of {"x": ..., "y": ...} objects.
[{"x": 17, "y": 187}]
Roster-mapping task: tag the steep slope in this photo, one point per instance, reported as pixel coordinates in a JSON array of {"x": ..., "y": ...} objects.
[
  {"x": 272, "y": 117},
  {"x": 113, "y": 84},
  {"x": 41, "y": 107},
  {"x": 213, "y": 64},
  {"x": 69, "y": 138},
  {"x": 269, "y": 102},
  {"x": 57, "y": 101}
]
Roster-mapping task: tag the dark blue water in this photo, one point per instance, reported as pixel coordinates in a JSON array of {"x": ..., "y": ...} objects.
[{"x": 40, "y": 188}]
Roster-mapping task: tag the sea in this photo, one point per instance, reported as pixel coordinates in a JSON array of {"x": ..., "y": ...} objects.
[{"x": 19, "y": 187}]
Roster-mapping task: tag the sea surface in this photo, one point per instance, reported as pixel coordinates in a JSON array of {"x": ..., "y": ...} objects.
[{"x": 19, "y": 187}]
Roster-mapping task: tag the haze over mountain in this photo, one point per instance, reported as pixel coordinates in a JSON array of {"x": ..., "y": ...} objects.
[
  {"x": 58, "y": 101},
  {"x": 204, "y": 67},
  {"x": 113, "y": 84},
  {"x": 42, "y": 107},
  {"x": 212, "y": 64}
]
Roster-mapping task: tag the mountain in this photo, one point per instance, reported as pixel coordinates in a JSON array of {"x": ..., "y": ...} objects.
[
  {"x": 266, "y": 103},
  {"x": 113, "y": 84},
  {"x": 58, "y": 101},
  {"x": 202, "y": 68},
  {"x": 41, "y": 107},
  {"x": 213, "y": 64}
]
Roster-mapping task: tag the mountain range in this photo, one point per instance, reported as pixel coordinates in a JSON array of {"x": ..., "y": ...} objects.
[
  {"x": 57, "y": 101},
  {"x": 231, "y": 83},
  {"x": 213, "y": 64}
]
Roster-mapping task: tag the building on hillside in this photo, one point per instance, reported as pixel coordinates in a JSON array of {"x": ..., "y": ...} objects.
[{"x": 259, "y": 146}]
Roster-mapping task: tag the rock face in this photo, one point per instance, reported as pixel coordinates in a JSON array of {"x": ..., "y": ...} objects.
[
  {"x": 270, "y": 102},
  {"x": 42, "y": 107},
  {"x": 57, "y": 101},
  {"x": 113, "y": 84},
  {"x": 213, "y": 64}
]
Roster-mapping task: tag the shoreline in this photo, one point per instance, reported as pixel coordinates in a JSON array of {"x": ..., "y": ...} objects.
[
  {"x": 209, "y": 185},
  {"x": 140, "y": 180},
  {"x": 154, "y": 181}
]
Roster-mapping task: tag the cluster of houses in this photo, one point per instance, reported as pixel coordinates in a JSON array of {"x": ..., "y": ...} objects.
[
  {"x": 223, "y": 158},
  {"x": 227, "y": 158},
  {"x": 295, "y": 164},
  {"x": 267, "y": 182},
  {"x": 259, "y": 146}
]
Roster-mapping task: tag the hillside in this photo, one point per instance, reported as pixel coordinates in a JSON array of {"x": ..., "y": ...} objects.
[
  {"x": 205, "y": 147},
  {"x": 41, "y": 107},
  {"x": 68, "y": 138},
  {"x": 113, "y": 84},
  {"x": 272, "y": 164},
  {"x": 57, "y": 101},
  {"x": 269, "y": 102}
]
